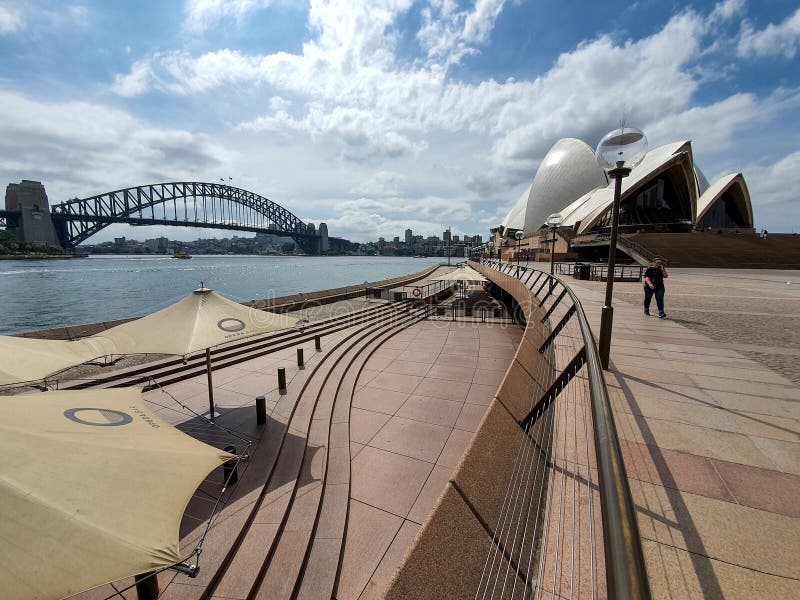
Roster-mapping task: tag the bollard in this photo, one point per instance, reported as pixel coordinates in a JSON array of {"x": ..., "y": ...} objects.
[
  {"x": 261, "y": 410},
  {"x": 300, "y": 362},
  {"x": 282, "y": 381},
  {"x": 229, "y": 472},
  {"x": 317, "y": 343},
  {"x": 146, "y": 586}
]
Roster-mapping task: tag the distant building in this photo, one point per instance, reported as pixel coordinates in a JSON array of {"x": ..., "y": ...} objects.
[
  {"x": 396, "y": 239},
  {"x": 158, "y": 244},
  {"x": 446, "y": 235},
  {"x": 409, "y": 236}
]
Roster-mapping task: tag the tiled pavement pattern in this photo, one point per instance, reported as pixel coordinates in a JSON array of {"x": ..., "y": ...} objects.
[
  {"x": 420, "y": 398},
  {"x": 711, "y": 438}
]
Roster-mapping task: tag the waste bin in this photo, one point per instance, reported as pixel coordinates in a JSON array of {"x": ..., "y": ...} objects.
[{"x": 582, "y": 271}]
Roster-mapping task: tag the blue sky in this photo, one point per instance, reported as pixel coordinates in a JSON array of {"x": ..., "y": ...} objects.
[{"x": 377, "y": 116}]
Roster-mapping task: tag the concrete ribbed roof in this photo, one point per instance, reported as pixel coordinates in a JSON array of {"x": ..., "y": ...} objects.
[{"x": 568, "y": 171}]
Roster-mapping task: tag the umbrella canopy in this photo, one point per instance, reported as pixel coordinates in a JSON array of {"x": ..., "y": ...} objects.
[
  {"x": 461, "y": 274},
  {"x": 201, "y": 320},
  {"x": 31, "y": 359},
  {"x": 93, "y": 486}
]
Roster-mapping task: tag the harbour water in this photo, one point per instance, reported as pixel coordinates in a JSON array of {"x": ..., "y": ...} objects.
[{"x": 45, "y": 294}]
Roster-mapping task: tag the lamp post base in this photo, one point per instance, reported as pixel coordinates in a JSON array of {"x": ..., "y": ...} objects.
[{"x": 606, "y": 322}]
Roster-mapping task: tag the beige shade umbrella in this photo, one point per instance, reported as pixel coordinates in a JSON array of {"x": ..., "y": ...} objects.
[
  {"x": 93, "y": 487},
  {"x": 201, "y": 320},
  {"x": 30, "y": 359}
]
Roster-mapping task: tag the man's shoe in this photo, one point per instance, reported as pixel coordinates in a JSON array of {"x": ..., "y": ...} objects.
[
  {"x": 662, "y": 315},
  {"x": 647, "y": 313}
]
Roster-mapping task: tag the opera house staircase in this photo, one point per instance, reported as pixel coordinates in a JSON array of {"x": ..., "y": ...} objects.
[{"x": 725, "y": 250}]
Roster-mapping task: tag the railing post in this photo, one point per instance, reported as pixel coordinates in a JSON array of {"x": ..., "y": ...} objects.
[
  {"x": 300, "y": 363},
  {"x": 317, "y": 343}
]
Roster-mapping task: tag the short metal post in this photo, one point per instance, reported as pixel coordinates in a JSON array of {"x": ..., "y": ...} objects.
[
  {"x": 229, "y": 473},
  {"x": 483, "y": 315},
  {"x": 146, "y": 586},
  {"x": 317, "y": 343},
  {"x": 261, "y": 410},
  {"x": 281, "y": 381},
  {"x": 300, "y": 362}
]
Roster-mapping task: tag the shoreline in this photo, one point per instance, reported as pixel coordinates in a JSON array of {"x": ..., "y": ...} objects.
[{"x": 279, "y": 304}]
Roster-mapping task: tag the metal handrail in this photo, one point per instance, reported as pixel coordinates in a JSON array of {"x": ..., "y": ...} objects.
[{"x": 626, "y": 575}]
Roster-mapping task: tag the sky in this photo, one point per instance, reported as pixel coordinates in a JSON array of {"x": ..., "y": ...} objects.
[{"x": 382, "y": 115}]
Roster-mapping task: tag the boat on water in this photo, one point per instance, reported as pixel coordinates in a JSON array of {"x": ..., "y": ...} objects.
[{"x": 181, "y": 254}]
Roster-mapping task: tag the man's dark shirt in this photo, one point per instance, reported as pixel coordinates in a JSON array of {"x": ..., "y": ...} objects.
[{"x": 656, "y": 277}]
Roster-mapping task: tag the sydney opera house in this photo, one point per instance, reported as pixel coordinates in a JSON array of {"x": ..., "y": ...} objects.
[{"x": 666, "y": 193}]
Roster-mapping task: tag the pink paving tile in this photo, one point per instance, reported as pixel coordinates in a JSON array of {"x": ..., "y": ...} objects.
[
  {"x": 447, "y": 390},
  {"x": 252, "y": 384},
  {"x": 379, "y": 582},
  {"x": 678, "y": 470},
  {"x": 451, "y": 372},
  {"x": 433, "y": 488},
  {"x": 487, "y": 377},
  {"x": 406, "y": 367},
  {"x": 430, "y": 410},
  {"x": 364, "y": 424},
  {"x": 772, "y": 491},
  {"x": 385, "y": 401},
  {"x": 458, "y": 360},
  {"x": 377, "y": 475},
  {"x": 454, "y": 448},
  {"x": 395, "y": 382},
  {"x": 481, "y": 394},
  {"x": 369, "y": 534},
  {"x": 418, "y": 356},
  {"x": 412, "y": 438},
  {"x": 470, "y": 417}
]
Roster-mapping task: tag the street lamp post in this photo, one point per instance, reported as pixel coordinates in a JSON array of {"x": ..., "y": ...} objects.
[
  {"x": 618, "y": 153},
  {"x": 554, "y": 221},
  {"x": 519, "y": 235}
]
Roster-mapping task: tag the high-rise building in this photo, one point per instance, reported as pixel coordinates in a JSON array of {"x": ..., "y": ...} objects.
[
  {"x": 446, "y": 235},
  {"x": 409, "y": 236}
]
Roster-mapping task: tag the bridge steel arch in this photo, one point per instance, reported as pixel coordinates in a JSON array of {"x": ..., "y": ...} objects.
[{"x": 211, "y": 205}]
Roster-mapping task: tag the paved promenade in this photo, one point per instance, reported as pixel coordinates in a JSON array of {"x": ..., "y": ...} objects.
[{"x": 711, "y": 437}]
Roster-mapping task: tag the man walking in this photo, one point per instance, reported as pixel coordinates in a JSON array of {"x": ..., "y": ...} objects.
[{"x": 654, "y": 278}]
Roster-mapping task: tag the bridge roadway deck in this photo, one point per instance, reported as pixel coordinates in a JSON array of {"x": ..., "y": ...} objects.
[{"x": 711, "y": 437}]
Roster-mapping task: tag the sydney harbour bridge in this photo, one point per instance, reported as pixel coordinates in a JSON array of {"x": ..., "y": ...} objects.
[{"x": 29, "y": 216}]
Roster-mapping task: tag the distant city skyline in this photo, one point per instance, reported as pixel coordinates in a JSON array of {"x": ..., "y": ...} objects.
[{"x": 394, "y": 114}]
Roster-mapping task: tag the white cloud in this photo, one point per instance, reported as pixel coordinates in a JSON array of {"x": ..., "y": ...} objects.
[
  {"x": 202, "y": 14},
  {"x": 80, "y": 148},
  {"x": 715, "y": 127},
  {"x": 773, "y": 193},
  {"x": 775, "y": 40},
  {"x": 11, "y": 20},
  {"x": 726, "y": 10}
]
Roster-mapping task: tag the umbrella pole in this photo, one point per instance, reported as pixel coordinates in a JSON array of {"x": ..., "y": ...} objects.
[{"x": 210, "y": 386}]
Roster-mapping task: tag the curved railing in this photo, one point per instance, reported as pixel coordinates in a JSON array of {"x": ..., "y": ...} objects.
[
  {"x": 624, "y": 564},
  {"x": 519, "y": 514}
]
